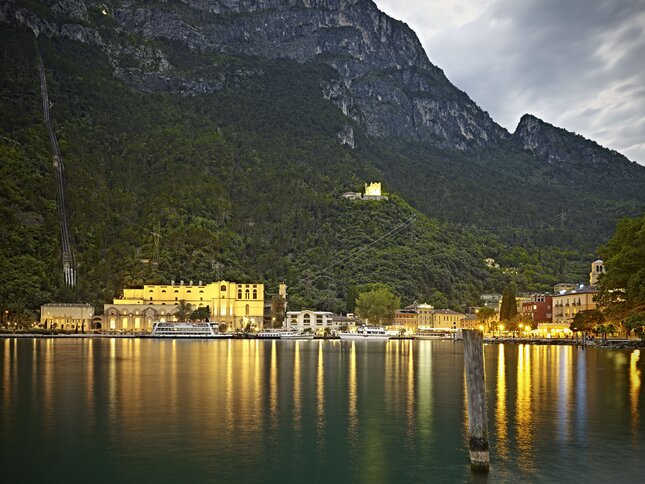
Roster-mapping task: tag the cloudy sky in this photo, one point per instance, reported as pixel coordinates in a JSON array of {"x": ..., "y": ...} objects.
[{"x": 577, "y": 64}]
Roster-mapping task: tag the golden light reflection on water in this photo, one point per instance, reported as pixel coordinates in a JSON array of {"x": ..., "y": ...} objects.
[
  {"x": 424, "y": 392},
  {"x": 411, "y": 395},
  {"x": 352, "y": 394},
  {"x": 229, "y": 386},
  {"x": 6, "y": 376},
  {"x": 112, "y": 382},
  {"x": 501, "y": 418},
  {"x": 297, "y": 409},
  {"x": 273, "y": 385},
  {"x": 562, "y": 379},
  {"x": 320, "y": 395},
  {"x": 524, "y": 410},
  {"x": 634, "y": 391}
]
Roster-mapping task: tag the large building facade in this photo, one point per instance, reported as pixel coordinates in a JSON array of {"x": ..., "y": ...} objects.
[
  {"x": 234, "y": 304},
  {"x": 67, "y": 316}
]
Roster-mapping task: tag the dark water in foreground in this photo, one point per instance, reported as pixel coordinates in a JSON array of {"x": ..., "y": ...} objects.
[{"x": 312, "y": 411}]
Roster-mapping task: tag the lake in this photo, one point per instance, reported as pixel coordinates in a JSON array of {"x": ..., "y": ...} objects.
[{"x": 144, "y": 410}]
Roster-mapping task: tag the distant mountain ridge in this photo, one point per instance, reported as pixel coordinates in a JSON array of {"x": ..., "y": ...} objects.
[{"x": 559, "y": 146}]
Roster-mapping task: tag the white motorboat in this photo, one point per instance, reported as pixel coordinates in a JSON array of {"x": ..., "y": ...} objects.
[
  {"x": 291, "y": 335},
  {"x": 186, "y": 330},
  {"x": 272, "y": 333},
  {"x": 366, "y": 333}
]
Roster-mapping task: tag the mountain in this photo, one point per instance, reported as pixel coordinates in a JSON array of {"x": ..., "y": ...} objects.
[
  {"x": 381, "y": 78},
  {"x": 230, "y": 129}
]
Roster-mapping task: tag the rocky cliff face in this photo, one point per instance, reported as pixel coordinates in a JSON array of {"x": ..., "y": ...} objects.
[
  {"x": 568, "y": 150},
  {"x": 384, "y": 81}
]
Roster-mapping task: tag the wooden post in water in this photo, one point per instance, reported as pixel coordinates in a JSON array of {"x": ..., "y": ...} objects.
[{"x": 477, "y": 419}]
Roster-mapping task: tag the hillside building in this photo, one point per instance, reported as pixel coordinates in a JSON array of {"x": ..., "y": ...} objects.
[{"x": 372, "y": 192}]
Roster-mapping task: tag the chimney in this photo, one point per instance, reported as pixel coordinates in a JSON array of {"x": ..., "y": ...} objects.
[
  {"x": 181, "y": 282},
  {"x": 190, "y": 283},
  {"x": 172, "y": 282},
  {"x": 200, "y": 283}
]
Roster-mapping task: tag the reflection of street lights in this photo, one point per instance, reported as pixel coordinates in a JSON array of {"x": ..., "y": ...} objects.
[{"x": 501, "y": 328}]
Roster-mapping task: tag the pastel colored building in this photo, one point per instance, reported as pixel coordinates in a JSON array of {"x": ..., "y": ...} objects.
[
  {"x": 316, "y": 321},
  {"x": 67, "y": 316},
  {"x": 234, "y": 304}
]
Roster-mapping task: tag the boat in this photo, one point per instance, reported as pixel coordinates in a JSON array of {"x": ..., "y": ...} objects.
[
  {"x": 273, "y": 333},
  {"x": 366, "y": 333},
  {"x": 436, "y": 333},
  {"x": 291, "y": 335},
  {"x": 163, "y": 329}
]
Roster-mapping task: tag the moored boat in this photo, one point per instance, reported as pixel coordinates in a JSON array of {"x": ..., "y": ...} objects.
[
  {"x": 272, "y": 333},
  {"x": 366, "y": 333},
  {"x": 291, "y": 335},
  {"x": 186, "y": 330}
]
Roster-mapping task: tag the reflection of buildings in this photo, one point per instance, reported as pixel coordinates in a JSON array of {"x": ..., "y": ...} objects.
[
  {"x": 67, "y": 316},
  {"x": 232, "y": 303}
]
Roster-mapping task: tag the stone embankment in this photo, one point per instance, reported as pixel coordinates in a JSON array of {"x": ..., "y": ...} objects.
[{"x": 597, "y": 342}]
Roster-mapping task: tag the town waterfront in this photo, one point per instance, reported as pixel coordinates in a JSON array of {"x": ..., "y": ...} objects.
[{"x": 112, "y": 410}]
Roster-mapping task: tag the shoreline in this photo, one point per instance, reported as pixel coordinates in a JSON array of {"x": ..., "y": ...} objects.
[{"x": 594, "y": 343}]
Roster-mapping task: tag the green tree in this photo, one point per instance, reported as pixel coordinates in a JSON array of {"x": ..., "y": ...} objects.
[
  {"x": 377, "y": 306},
  {"x": 636, "y": 322},
  {"x": 184, "y": 310},
  {"x": 508, "y": 307},
  {"x": 200, "y": 314},
  {"x": 622, "y": 288},
  {"x": 278, "y": 305},
  {"x": 586, "y": 321}
]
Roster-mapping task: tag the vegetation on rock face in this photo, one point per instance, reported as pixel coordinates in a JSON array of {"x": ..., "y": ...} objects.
[
  {"x": 621, "y": 295},
  {"x": 244, "y": 184}
]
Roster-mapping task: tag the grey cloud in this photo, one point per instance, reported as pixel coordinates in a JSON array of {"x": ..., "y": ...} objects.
[{"x": 578, "y": 64}]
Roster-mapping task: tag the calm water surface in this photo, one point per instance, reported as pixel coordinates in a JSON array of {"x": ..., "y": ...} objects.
[{"x": 108, "y": 410}]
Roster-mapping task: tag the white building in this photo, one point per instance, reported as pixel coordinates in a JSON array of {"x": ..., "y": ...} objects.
[
  {"x": 308, "y": 319},
  {"x": 597, "y": 268}
]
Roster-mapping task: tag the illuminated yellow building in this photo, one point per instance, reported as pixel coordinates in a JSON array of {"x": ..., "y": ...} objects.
[
  {"x": 234, "y": 304},
  {"x": 67, "y": 316},
  {"x": 425, "y": 316},
  {"x": 565, "y": 306}
]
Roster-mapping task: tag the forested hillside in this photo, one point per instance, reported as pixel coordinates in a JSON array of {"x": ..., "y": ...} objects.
[{"x": 243, "y": 182}]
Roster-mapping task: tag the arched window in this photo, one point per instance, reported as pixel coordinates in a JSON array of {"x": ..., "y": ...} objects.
[
  {"x": 306, "y": 319},
  {"x": 163, "y": 290},
  {"x": 152, "y": 290},
  {"x": 176, "y": 290},
  {"x": 223, "y": 288},
  {"x": 247, "y": 310},
  {"x": 246, "y": 294},
  {"x": 188, "y": 291},
  {"x": 255, "y": 293},
  {"x": 239, "y": 293},
  {"x": 124, "y": 323}
]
